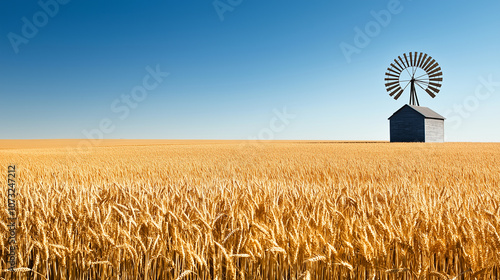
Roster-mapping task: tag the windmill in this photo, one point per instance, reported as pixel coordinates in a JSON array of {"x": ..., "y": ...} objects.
[
  {"x": 412, "y": 123},
  {"x": 414, "y": 70}
]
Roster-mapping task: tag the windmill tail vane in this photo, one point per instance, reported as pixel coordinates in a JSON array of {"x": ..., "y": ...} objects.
[{"x": 416, "y": 71}]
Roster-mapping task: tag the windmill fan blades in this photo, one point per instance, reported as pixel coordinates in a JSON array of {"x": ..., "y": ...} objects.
[
  {"x": 392, "y": 93},
  {"x": 394, "y": 71},
  {"x": 402, "y": 62},
  {"x": 398, "y": 94},
  {"x": 402, "y": 68},
  {"x": 430, "y": 93},
  {"x": 391, "y": 88},
  {"x": 426, "y": 62},
  {"x": 394, "y": 90},
  {"x": 417, "y": 69},
  {"x": 431, "y": 67},
  {"x": 434, "y": 71},
  {"x": 391, "y": 84},
  {"x": 395, "y": 67},
  {"x": 419, "y": 59},
  {"x": 422, "y": 62},
  {"x": 406, "y": 59},
  {"x": 435, "y": 75},
  {"x": 436, "y": 90}
]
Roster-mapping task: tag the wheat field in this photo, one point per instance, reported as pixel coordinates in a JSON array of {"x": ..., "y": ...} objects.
[{"x": 137, "y": 209}]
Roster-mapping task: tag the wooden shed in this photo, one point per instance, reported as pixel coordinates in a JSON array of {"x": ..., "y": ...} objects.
[{"x": 416, "y": 124}]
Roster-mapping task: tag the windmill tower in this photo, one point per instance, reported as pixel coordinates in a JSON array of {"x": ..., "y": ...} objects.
[{"x": 413, "y": 123}]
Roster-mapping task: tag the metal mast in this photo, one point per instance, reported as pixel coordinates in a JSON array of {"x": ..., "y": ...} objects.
[{"x": 413, "y": 93}]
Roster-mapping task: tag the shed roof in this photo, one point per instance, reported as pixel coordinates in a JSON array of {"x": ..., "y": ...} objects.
[{"x": 424, "y": 111}]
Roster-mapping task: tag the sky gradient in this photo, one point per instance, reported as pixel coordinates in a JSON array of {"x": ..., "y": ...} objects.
[{"x": 238, "y": 69}]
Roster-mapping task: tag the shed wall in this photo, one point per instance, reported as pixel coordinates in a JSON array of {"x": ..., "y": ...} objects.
[
  {"x": 434, "y": 130},
  {"x": 407, "y": 126}
]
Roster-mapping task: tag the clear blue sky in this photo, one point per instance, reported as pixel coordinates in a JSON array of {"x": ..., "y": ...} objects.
[{"x": 231, "y": 69}]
